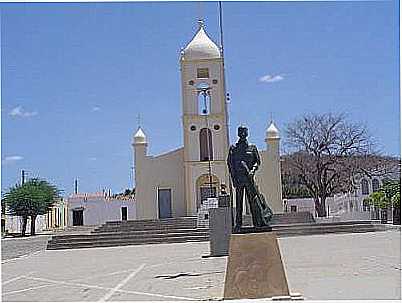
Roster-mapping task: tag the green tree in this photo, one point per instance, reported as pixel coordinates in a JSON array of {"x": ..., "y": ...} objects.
[
  {"x": 391, "y": 188},
  {"x": 388, "y": 195},
  {"x": 379, "y": 199},
  {"x": 34, "y": 197},
  {"x": 396, "y": 200}
]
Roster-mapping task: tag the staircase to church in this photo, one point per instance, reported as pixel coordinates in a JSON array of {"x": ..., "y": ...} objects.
[
  {"x": 184, "y": 229},
  {"x": 119, "y": 233}
]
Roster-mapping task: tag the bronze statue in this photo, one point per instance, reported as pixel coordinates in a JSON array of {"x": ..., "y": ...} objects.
[{"x": 243, "y": 161}]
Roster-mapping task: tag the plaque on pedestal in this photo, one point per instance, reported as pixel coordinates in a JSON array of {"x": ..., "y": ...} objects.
[{"x": 254, "y": 268}]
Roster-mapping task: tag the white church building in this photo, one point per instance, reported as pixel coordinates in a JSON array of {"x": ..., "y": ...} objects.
[{"x": 175, "y": 183}]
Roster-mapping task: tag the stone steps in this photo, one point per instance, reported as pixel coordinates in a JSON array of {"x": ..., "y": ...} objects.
[
  {"x": 175, "y": 230},
  {"x": 285, "y": 218},
  {"x": 325, "y": 224},
  {"x": 149, "y": 225},
  {"x": 119, "y": 242},
  {"x": 299, "y": 229},
  {"x": 131, "y": 235},
  {"x": 287, "y": 231},
  {"x": 164, "y": 224},
  {"x": 150, "y": 228},
  {"x": 178, "y": 231},
  {"x": 153, "y": 221}
]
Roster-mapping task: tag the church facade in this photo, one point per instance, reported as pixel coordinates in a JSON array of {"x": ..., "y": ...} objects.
[{"x": 174, "y": 184}]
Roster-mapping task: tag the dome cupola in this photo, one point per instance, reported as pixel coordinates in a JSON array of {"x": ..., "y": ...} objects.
[{"x": 201, "y": 46}]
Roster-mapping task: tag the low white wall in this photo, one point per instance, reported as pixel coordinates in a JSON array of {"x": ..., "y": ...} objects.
[
  {"x": 14, "y": 224},
  {"x": 302, "y": 204},
  {"x": 337, "y": 210},
  {"x": 351, "y": 216},
  {"x": 100, "y": 210}
]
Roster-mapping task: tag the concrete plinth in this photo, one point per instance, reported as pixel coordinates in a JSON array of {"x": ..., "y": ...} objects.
[
  {"x": 254, "y": 268},
  {"x": 220, "y": 229}
]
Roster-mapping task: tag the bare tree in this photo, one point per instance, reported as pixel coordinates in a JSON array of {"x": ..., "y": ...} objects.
[{"x": 327, "y": 152}]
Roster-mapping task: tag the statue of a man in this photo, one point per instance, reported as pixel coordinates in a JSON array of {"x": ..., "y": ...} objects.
[{"x": 243, "y": 161}]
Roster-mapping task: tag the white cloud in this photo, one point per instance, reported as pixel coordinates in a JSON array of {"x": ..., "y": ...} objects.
[
  {"x": 271, "y": 78},
  {"x": 95, "y": 108},
  {"x": 12, "y": 159},
  {"x": 20, "y": 112}
]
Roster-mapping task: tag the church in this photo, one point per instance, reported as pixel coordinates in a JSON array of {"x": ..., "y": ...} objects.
[{"x": 174, "y": 184}]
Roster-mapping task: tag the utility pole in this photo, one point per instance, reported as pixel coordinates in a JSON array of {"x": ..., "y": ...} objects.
[
  {"x": 227, "y": 98},
  {"x": 221, "y": 26},
  {"x": 23, "y": 174},
  {"x": 76, "y": 186},
  {"x": 131, "y": 181}
]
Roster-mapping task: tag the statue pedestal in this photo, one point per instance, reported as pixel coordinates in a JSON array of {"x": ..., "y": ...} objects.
[
  {"x": 254, "y": 268},
  {"x": 220, "y": 229}
]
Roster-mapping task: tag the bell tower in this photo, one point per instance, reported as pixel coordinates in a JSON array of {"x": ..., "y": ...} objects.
[{"x": 205, "y": 129}]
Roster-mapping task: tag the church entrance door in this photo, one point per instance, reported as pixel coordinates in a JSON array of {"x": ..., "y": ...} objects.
[
  {"x": 207, "y": 192},
  {"x": 78, "y": 217},
  {"x": 165, "y": 203}
]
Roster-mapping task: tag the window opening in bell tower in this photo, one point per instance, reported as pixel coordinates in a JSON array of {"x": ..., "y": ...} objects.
[
  {"x": 204, "y": 99},
  {"x": 206, "y": 150}
]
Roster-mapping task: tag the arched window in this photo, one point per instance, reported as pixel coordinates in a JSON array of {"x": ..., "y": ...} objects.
[
  {"x": 206, "y": 150},
  {"x": 365, "y": 187},
  {"x": 376, "y": 185},
  {"x": 204, "y": 99}
]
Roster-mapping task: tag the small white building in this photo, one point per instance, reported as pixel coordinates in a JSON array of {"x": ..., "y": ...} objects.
[{"x": 98, "y": 208}]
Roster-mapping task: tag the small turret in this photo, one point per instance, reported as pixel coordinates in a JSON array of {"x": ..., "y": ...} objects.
[
  {"x": 139, "y": 137},
  {"x": 272, "y": 132},
  {"x": 140, "y": 145},
  {"x": 273, "y": 167}
]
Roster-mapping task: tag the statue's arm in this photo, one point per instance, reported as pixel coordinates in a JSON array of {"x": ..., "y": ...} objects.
[
  {"x": 229, "y": 162},
  {"x": 257, "y": 160}
]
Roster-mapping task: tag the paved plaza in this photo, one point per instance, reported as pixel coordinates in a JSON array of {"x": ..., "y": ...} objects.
[
  {"x": 18, "y": 247},
  {"x": 333, "y": 266}
]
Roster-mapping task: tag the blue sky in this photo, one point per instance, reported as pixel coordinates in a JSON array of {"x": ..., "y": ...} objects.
[{"x": 75, "y": 76}]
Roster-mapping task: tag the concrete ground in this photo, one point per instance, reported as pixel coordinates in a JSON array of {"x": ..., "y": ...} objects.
[
  {"x": 324, "y": 267},
  {"x": 17, "y": 247}
]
